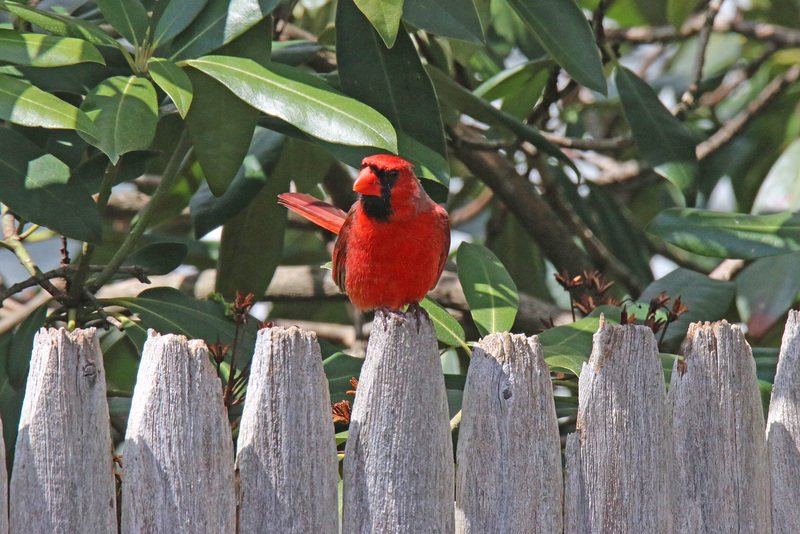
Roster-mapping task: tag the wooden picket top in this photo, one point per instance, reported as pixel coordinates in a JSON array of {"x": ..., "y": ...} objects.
[
  {"x": 62, "y": 476},
  {"x": 287, "y": 451},
  {"x": 398, "y": 464},
  {"x": 696, "y": 459}
]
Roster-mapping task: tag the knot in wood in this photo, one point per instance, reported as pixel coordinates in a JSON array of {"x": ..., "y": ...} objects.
[
  {"x": 506, "y": 393},
  {"x": 89, "y": 370}
]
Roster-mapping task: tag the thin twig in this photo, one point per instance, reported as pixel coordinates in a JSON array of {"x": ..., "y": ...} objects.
[
  {"x": 690, "y": 96},
  {"x": 599, "y": 145},
  {"x": 12, "y": 239},
  {"x": 99, "y": 307}
]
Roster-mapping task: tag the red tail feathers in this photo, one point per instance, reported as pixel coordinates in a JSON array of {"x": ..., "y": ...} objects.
[{"x": 319, "y": 212}]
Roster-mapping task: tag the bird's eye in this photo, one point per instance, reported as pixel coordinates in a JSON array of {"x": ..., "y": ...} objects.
[{"x": 393, "y": 175}]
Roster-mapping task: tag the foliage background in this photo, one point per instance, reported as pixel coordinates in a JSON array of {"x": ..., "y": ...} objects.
[{"x": 654, "y": 142}]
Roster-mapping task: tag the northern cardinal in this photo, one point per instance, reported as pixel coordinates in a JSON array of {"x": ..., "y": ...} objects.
[{"x": 392, "y": 244}]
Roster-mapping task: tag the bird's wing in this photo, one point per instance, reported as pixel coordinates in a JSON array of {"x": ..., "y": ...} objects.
[
  {"x": 319, "y": 212},
  {"x": 340, "y": 250},
  {"x": 444, "y": 220}
]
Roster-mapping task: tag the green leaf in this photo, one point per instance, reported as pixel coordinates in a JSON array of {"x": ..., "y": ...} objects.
[
  {"x": 279, "y": 91},
  {"x": 173, "y": 81},
  {"x": 563, "y": 30},
  {"x": 209, "y": 212},
  {"x": 679, "y": 10},
  {"x": 252, "y": 241},
  {"x": 764, "y": 292},
  {"x": 158, "y": 258},
  {"x": 294, "y": 53},
  {"x": 176, "y": 17},
  {"x": 490, "y": 291},
  {"x": 450, "y": 93},
  {"x": 728, "y": 235},
  {"x": 128, "y": 17},
  {"x": 340, "y": 368},
  {"x": 708, "y": 299},
  {"x": 24, "y": 104},
  {"x": 61, "y": 25},
  {"x": 456, "y": 19},
  {"x": 567, "y": 347},
  {"x": 45, "y": 51},
  {"x": 662, "y": 138},
  {"x": 169, "y": 311},
  {"x": 35, "y": 185},
  {"x": 448, "y": 331},
  {"x": 780, "y": 190},
  {"x": 220, "y": 145},
  {"x": 427, "y": 163},
  {"x": 125, "y": 111},
  {"x": 396, "y": 84},
  {"x": 384, "y": 15},
  {"x": 19, "y": 356},
  {"x": 220, "y": 22}
]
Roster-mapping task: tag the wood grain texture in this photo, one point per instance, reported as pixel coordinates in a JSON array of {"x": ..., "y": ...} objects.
[
  {"x": 617, "y": 478},
  {"x": 287, "y": 449},
  {"x": 178, "y": 451},
  {"x": 62, "y": 478},
  {"x": 783, "y": 431},
  {"x": 398, "y": 465},
  {"x": 508, "y": 478},
  {"x": 721, "y": 460}
]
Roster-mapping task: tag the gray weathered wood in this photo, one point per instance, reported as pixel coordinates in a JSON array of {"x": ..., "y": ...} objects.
[
  {"x": 178, "y": 452},
  {"x": 721, "y": 469},
  {"x": 62, "y": 479},
  {"x": 398, "y": 465},
  {"x": 783, "y": 431},
  {"x": 287, "y": 449},
  {"x": 508, "y": 478},
  {"x": 617, "y": 478}
]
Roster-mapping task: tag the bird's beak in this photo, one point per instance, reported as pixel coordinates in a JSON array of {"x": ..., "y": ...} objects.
[{"x": 367, "y": 183}]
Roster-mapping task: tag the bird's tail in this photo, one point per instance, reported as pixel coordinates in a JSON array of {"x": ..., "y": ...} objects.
[{"x": 319, "y": 212}]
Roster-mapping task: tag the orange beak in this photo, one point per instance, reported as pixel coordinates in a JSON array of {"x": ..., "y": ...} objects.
[{"x": 367, "y": 183}]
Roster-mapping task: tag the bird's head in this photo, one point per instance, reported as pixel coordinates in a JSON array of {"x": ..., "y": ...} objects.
[{"x": 387, "y": 186}]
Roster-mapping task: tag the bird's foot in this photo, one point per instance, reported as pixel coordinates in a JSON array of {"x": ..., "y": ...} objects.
[
  {"x": 394, "y": 313},
  {"x": 419, "y": 312}
]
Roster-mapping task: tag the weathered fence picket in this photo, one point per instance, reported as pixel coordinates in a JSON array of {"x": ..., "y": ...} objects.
[
  {"x": 62, "y": 478},
  {"x": 286, "y": 456},
  {"x": 783, "y": 431},
  {"x": 178, "y": 452},
  {"x": 398, "y": 464},
  {"x": 618, "y": 460},
  {"x": 722, "y": 470},
  {"x": 508, "y": 478},
  {"x": 693, "y": 460}
]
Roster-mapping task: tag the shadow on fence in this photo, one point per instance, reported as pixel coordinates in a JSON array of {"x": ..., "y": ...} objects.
[{"x": 696, "y": 459}]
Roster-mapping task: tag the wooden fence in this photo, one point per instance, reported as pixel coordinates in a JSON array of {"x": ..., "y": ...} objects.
[{"x": 696, "y": 459}]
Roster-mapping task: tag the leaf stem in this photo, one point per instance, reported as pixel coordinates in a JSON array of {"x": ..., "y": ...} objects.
[{"x": 143, "y": 218}]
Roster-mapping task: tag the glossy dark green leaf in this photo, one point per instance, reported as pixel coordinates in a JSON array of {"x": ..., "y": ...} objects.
[
  {"x": 661, "y": 137},
  {"x": 566, "y": 347},
  {"x": 765, "y": 291},
  {"x": 176, "y": 17},
  {"x": 490, "y": 291},
  {"x": 294, "y": 53},
  {"x": 708, "y": 299},
  {"x": 128, "y": 17},
  {"x": 384, "y": 15},
  {"x": 125, "y": 111},
  {"x": 780, "y": 190},
  {"x": 252, "y": 241},
  {"x": 396, "y": 84},
  {"x": 340, "y": 368},
  {"x": 448, "y": 330},
  {"x": 40, "y": 50},
  {"x": 22, "y": 103},
  {"x": 450, "y": 93},
  {"x": 10, "y": 402},
  {"x": 456, "y": 19},
  {"x": 563, "y": 30},
  {"x": 61, "y": 25},
  {"x": 209, "y": 212},
  {"x": 322, "y": 113},
  {"x": 728, "y": 235},
  {"x": 158, "y": 258},
  {"x": 169, "y": 311},
  {"x": 173, "y": 81},
  {"x": 36, "y": 186},
  {"x": 220, "y": 22},
  {"x": 220, "y": 145},
  {"x": 520, "y": 255},
  {"x": 19, "y": 356}
]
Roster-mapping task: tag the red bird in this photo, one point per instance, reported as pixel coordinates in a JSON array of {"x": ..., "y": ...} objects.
[{"x": 392, "y": 244}]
